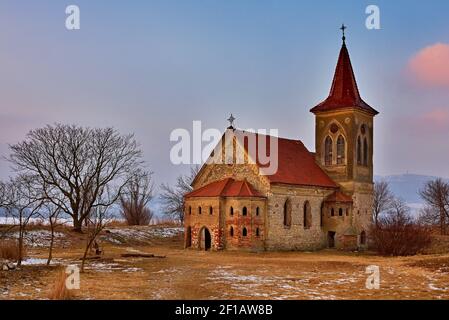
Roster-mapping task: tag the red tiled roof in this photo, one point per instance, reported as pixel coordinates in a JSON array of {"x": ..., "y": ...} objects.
[
  {"x": 296, "y": 165},
  {"x": 225, "y": 188},
  {"x": 339, "y": 196},
  {"x": 344, "y": 92}
]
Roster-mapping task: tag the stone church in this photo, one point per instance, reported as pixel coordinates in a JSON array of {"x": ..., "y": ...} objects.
[{"x": 314, "y": 200}]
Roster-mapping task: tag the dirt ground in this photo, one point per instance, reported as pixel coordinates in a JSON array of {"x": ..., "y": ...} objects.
[{"x": 191, "y": 274}]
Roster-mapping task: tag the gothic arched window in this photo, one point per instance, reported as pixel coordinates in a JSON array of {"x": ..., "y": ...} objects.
[
  {"x": 341, "y": 150},
  {"x": 244, "y": 232},
  {"x": 244, "y": 211},
  {"x": 359, "y": 151},
  {"x": 307, "y": 215},
  {"x": 328, "y": 151},
  {"x": 231, "y": 231},
  {"x": 287, "y": 213},
  {"x": 365, "y": 152}
]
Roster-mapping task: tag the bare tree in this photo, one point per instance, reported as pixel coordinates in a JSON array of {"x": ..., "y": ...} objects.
[
  {"x": 51, "y": 213},
  {"x": 23, "y": 203},
  {"x": 97, "y": 221},
  {"x": 75, "y": 165},
  {"x": 135, "y": 197},
  {"x": 436, "y": 195},
  {"x": 173, "y": 197},
  {"x": 382, "y": 200}
]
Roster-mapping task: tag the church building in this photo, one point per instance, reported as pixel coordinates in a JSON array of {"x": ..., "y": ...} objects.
[{"x": 314, "y": 200}]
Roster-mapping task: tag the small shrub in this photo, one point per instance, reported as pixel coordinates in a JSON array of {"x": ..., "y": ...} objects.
[
  {"x": 9, "y": 250},
  {"x": 400, "y": 235},
  {"x": 59, "y": 290}
]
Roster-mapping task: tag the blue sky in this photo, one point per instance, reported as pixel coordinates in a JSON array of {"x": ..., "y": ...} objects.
[{"x": 152, "y": 66}]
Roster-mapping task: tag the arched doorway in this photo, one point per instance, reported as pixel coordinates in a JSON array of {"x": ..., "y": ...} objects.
[
  {"x": 205, "y": 239},
  {"x": 363, "y": 238},
  {"x": 331, "y": 239},
  {"x": 188, "y": 243}
]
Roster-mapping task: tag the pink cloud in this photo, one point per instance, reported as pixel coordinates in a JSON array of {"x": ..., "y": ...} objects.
[{"x": 430, "y": 66}]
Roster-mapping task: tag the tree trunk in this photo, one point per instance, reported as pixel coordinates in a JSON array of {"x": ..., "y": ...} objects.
[
  {"x": 19, "y": 260},
  {"x": 50, "y": 250},
  {"x": 77, "y": 224}
]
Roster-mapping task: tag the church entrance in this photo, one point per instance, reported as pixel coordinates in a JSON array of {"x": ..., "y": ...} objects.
[
  {"x": 189, "y": 237},
  {"x": 331, "y": 239},
  {"x": 206, "y": 240}
]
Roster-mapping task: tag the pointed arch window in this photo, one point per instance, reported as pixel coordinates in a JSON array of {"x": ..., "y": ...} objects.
[
  {"x": 307, "y": 215},
  {"x": 231, "y": 231},
  {"x": 287, "y": 213},
  {"x": 359, "y": 151},
  {"x": 328, "y": 151},
  {"x": 365, "y": 152},
  {"x": 245, "y": 211},
  {"x": 341, "y": 152},
  {"x": 244, "y": 232}
]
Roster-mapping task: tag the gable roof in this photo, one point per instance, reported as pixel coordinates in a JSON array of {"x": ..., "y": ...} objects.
[
  {"x": 225, "y": 188},
  {"x": 344, "y": 92},
  {"x": 296, "y": 165}
]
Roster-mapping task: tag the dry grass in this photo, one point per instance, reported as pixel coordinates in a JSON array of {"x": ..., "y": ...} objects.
[
  {"x": 59, "y": 290},
  {"x": 9, "y": 250}
]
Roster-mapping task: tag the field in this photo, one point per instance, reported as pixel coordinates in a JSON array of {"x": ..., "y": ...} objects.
[{"x": 191, "y": 274}]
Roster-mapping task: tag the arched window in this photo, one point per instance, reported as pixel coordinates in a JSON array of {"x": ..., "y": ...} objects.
[
  {"x": 231, "y": 231},
  {"x": 332, "y": 212},
  {"x": 190, "y": 210},
  {"x": 307, "y": 215},
  {"x": 365, "y": 152},
  {"x": 341, "y": 150},
  {"x": 363, "y": 238},
  {"x": 328, "y": 151},
  {"x": 199, "y": 210},
  {"x": 231, "y": 211},
  {"x": 211, "y": 210},
  {"x": 340, "y": 212},
  {"x": 359, "y": 151},
  {"x": 244, "y": 211},
  {"x": 321, "y": 214},
  {"x": 257, "y": 232},
  {"x": 244, "y": 232},
  {"x": 287, "y": 213},
  {"x": 257, "y": 211}
]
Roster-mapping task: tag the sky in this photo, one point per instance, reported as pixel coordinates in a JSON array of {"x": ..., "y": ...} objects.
[{"x": 150, "y": 67}]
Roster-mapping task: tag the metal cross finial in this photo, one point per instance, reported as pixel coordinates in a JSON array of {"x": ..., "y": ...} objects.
[
  {"x": 343, "y": 28},
  {"x": 231, "y": 120}
]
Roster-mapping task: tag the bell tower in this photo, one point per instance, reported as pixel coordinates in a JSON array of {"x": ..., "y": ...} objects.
[{"x": 344, "y": 126}]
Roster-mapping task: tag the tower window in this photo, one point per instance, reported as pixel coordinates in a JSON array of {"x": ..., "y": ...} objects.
[
  {"x": 257, "y": 232},
  {"x": 199, "y": 210},
  {"x": 211, "y": 210},
  {"x": 231, "y": 231},
  {"x": 328, "y": 151},
  {"x": 365, "y": 152},
  {"x": 359, "y": 151},
  {"x": 340, "y": 212},
  {"x": 244, "y": 211},
  {"x": 332, "y": 212},
  {"x": 244, "y": 232},
  {"x": 341, "y": 150},
  {"x": 257, "y": 211},
  {"x": 190, "y": 210},
  {"x": 231, "y": 211}
]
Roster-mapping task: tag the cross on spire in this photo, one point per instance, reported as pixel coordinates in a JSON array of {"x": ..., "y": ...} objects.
[
  {"x": 231, "y": 120},
  {"x": 343, "y": 28}
]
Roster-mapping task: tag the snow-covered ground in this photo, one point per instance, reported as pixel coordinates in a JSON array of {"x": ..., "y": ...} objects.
[
  {"x": 41, "y": 238},
  {"x": 140, "y": 234}
]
